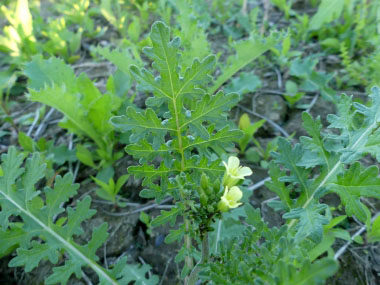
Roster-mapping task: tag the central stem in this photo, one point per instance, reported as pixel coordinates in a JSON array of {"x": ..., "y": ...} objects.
[
  {"x": 193, "y": 278},
  {"x": 187, "y": 238}
]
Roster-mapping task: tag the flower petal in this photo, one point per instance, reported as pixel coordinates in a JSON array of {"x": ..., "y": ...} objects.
[
  {"x": 233, "y": 163},
  {"x": 235, "y": 205},
  {"x": 234, "y": 195},
  {"x": 244, "y": 171}
]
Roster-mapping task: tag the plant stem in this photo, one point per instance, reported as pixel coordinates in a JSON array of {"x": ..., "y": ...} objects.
[
  {"x": 188, "y": 259},
  {"x": 187, "y": 238},
  {"x": 193, "y": 278}
]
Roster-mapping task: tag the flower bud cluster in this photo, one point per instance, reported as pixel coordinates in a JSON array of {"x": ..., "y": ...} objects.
[
  {"x": 212, "y": 202},
  {"x": 208, "y": 192}
]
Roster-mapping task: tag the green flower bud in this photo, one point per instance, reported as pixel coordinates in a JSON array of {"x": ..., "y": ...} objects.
[
  {"x": 203, "y": 198},
  {"x": 204, "y": 181},
  {"x": 216, "y": 186}
]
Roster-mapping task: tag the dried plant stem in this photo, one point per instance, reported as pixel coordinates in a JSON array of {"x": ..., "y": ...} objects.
[
  {"x": 266, "y": 5},
  {"x": 244, "y": 7}
]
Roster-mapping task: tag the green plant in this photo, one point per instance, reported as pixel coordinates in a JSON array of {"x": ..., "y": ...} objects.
[
  {"x": 284, "y": 5},
  {"x": 193, "y": 120},
  {"x": 18, "y": 40},
  {"x": 256, "y": 153},
  {"x": 363, "y": 71},
  {"x": 340, "y": 21},
  {"x": 109, "y": 191},
  {"x": 183, "y": 130},
  {"x": 244, "y": 83},
  {"x": 146, "y": 219},
  {"x": 268, "y": 256},
  {"x": 352, "y": 69},
  {"x": 47, "y": 231},
  {"x": 111, "y": 10},
  {"x": 182, "y": 138},
  {"x": 308, "y": 80},
  {"x": 300, "y": 189},
  {"x": 61, "y": 41},
  {"x": 87, "y": 111},
  {"x": 283, "y": 52},
  {"x": 246, "y": 51},
  {"x": 7, "y": 81},
  {"x": 248, "y": 129},
  {"x": 231, "y": 17},
  {"x": 374, "y": 232},
  {"x": 79, "y": 13},
  {"x": 122, "y": 19}
]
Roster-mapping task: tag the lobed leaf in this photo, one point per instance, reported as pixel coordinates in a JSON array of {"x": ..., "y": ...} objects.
[
  {"x": 50, "y": 72},
  {"x": 41, "y": 236},
  {"x": 217, "y": 141},
  {"x": 133, "y": 273},
  {"x": 210, "y": 109},
  {"x": 149, "y": 173},
  {"x": 310, "y": 221},
  {"x": 355, "y": 183},
  {"x": 145, "y": 151},
  {"x": 314, "y": 143},
  {"x": 290, "y": 158},
  {"x": 142, "y": 126},
  {"x": 277, "y": 186},
  {"x": 213, "y": 168},
  {"x": 168, "y": 216}
]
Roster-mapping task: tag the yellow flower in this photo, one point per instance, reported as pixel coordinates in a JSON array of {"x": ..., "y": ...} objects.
[
  {"x": 230, "y": 199},
  {"x": 234, "y": 172}
]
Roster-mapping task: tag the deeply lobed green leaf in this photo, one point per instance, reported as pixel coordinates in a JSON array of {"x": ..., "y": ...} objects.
[{"x": 41, "y": 235}]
